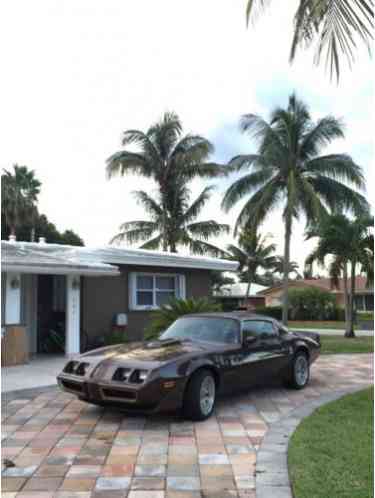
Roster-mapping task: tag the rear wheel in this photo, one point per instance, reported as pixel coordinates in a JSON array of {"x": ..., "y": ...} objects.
[
  {"x": 200, "y": 396},
  {"x": 300, "y": 371}
]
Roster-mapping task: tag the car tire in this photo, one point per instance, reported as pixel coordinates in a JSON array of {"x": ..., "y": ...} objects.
[
  {"x": 300, "y": 371},
  {"x": 200, "y": 396}
]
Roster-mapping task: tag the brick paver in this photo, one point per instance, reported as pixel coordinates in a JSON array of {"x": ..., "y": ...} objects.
[{"x": 64, "y": 448}]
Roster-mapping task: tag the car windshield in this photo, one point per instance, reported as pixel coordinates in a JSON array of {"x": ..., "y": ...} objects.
[{"x": 221, "y": 330}]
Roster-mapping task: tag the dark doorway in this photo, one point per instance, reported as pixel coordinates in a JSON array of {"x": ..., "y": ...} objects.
[{"x": 51, "y": 313}]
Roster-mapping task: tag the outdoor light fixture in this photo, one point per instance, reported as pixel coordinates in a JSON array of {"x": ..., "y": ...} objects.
[
  {"x": 15, "y": 283},
  {"x": 76, "y": 284}
]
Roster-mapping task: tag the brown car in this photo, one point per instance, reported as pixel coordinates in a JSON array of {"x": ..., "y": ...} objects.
[{"x": 197, "y": 357}]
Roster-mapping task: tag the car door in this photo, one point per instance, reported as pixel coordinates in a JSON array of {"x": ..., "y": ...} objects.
[{"x": 266, "y": 355}]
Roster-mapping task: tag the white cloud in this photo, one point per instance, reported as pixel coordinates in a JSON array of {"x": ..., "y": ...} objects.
[{"x": 79, "y": 73}]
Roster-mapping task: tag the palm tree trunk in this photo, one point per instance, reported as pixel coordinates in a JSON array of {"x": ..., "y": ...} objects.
[
  {"x": 248, "y": 289},
  {"x": 346, "y": 297},
  {"x": 350, "y": 326},
  {"x": 288, "y": 233}
]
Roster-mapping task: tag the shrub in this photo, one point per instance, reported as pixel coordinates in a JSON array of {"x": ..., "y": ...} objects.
[
  {"x": 272, "y": 311},
  {"x": 311, "y": 304},
  {"x": 115, "y": 337},
  {"x": 168, "y": 313}
]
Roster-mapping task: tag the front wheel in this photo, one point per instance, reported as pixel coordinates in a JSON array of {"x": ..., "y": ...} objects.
[
  {"x": 300, "y": 371},
  {"x": 200, "y": 396}
]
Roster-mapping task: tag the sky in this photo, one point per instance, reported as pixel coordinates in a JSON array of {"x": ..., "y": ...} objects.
[{"x": 76, "y": 74}]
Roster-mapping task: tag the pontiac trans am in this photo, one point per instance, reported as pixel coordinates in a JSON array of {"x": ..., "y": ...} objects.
[{"x": 195, "y": 359}]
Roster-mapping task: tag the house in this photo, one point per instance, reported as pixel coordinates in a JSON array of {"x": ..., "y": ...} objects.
[
  {"x": 233, "y": 296},
  {"x": 94, "y": 289},
  {"x": 364, "y": 295}
]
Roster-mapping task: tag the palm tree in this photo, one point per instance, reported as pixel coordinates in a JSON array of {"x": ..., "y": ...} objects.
[
  {"x": 293, "y": 267},
  {"x": 288, "y": 170},
  {"x": 167, "y": 157},
  {"x": 350, "y": 244},
  {"x": 335, "y": 24},
  {"x": 19, "y": 193},
  {"x": 174, "y": 224},
  {"x": 253, "y": 252}
]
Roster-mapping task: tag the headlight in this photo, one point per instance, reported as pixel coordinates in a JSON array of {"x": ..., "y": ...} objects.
[
  {"x": 71, "y": 367},
  {"x": 139, "y": 376},
  {"x": 122, "y": 374}
]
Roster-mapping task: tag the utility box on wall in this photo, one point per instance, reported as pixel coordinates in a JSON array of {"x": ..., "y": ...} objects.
[{"x": 121, "y": 320}]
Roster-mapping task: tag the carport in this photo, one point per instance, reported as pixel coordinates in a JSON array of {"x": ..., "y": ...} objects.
[{"x": 23, "y": 269}]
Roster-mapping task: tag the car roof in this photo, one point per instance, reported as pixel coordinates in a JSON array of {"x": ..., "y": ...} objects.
[{"x": 235, "y": 315}]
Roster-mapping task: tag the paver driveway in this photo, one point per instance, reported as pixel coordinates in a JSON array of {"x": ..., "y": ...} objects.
[{"x": 64, "y": 448}]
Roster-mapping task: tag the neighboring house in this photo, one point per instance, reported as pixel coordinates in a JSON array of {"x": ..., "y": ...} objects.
[
  {"x": 95, "y": 289},
  {"x": 233, "y": 296},
  {"x": 364, "y": 296}
]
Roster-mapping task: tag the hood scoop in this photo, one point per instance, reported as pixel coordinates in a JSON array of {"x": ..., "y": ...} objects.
[{"x": 163, "y": 343}]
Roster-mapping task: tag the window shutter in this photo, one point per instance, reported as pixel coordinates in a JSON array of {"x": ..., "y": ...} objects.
[
  {"x": 132, "y": 290},
  {"x": 182, "y": 286}
]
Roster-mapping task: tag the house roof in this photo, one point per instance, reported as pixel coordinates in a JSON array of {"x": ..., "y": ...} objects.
[
  {"x": 28, "y": 257},
  {"x": 325, "y": 284},
  {"x": 238, "y": 290}
]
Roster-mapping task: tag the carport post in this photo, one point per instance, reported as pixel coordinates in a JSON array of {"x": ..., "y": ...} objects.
[
  {"x": 73, "y": 302},
  {"x": 13, "y": 299}
]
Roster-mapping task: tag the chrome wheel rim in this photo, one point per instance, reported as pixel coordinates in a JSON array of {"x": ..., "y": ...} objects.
[
  {"x": 301, "y": 369},
  {"x": 207, "y": 395}
]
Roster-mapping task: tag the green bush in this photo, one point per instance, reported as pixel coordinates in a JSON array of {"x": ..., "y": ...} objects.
[
  {"x": 168, "y": 313},
  {"x": 115, "y": 337},
  {"x": 365, "y": 315},
  {"x": 311, "y": 304},
  {"x": 271, "y": 311}
]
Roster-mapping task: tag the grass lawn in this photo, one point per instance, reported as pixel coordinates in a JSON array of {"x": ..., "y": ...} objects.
[
  {"x": 330, "y": 454},
  {"x": 317, "y": 325},
  {"x": 338, "y": 344}
]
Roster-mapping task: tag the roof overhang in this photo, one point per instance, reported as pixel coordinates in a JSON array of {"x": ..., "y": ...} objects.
[
  {"x": 28, "y": 257},
  {"x": 60, "y": 270}
]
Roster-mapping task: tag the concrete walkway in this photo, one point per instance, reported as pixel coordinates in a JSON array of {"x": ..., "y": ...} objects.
[
  {"x": 358, "y": 333},
  {"x": 63, "y": 447},
  {"x": 41, "y": 371}
]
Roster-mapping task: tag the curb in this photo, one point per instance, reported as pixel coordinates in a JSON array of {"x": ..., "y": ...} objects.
[{"x": 271, "y": 474}]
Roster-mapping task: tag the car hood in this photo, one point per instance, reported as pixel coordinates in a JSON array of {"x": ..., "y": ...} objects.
[{"x": 149, "y": 354}]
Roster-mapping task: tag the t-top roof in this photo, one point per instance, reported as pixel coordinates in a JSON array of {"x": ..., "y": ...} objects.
[{"x": 27, "y": 257}]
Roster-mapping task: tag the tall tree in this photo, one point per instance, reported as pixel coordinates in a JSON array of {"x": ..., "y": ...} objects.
[
  {"x": 336, "y": 26},
  {"x": 174, "y": 223},
  {"x": 169, "y": 158},
  {"x": 253, "y": 253},
  {"x": 350, "y": 244},
  {"x": 19, "y": 195},
  {"x": 288, "y": 169}
]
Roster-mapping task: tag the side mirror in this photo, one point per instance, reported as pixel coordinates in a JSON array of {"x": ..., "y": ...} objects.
[{"x": 250, "y": 339}]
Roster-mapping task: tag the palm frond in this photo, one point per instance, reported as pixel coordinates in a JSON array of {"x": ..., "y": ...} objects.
[
  {"x": 150, "y": 204},
  {"x": 339, "y": 167},
  {"x": 124, "y": 162},
  {"x": 135, "y": 231},
  {"x": 206, "y": 229},
  {"x": 322, "y": 134},
  {"x": 196, "y": 207},
  {"x": 246, "y": 185},
  {"x": 259, "y": 206}
]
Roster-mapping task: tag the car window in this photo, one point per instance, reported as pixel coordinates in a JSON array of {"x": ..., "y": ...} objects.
[
  {"x": 211, "y": 329},
  {"x": 258, "y": 328}
]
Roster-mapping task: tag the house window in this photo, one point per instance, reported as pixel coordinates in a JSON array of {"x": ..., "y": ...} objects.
[{"x": 151, "y": 291}]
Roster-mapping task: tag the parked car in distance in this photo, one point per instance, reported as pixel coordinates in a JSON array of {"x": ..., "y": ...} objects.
[{"x": 196, "y": 358}]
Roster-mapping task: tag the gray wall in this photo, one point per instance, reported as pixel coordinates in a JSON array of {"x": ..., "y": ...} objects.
[{"x": 103, "y": 297}]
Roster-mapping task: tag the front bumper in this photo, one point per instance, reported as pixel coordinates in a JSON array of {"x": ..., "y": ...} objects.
[{"x": 146, "y": 398}]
